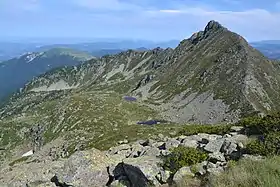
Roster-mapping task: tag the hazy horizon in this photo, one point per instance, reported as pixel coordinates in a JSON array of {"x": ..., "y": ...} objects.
[{"x": 158, "y": 20}]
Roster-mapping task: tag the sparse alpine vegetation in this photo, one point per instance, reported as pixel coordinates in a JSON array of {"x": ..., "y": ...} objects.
[{"x": 194, "y": 95}]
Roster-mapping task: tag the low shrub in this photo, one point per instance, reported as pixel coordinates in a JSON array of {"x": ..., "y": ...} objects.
[
  {"x": 182, "y": 156},
  {"x": 261, "y": 125},
  {"x": 209, "y": 129},
  {"x": 267, "y": 145}
]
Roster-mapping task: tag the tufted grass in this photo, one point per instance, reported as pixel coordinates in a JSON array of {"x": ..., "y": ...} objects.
[{"x": 248, "y": 173}]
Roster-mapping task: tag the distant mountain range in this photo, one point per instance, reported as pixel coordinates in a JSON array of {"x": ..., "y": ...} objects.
[
  {"x": 17, "y": 71},
  {"x": 11, "y": 50},
  {"x": 270, "y": 48}
]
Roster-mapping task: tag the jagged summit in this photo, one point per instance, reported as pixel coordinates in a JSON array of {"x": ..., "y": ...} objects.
[
  {"x": 211, "y": 29},
  {"x": 213, "y": 26}
]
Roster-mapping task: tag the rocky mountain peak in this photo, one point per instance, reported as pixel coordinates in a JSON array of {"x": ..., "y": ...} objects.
[{"x": 213, "y": 26}]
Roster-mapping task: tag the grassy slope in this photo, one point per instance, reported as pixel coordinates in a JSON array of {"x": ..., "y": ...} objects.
[{"x": 248, "y": 173}]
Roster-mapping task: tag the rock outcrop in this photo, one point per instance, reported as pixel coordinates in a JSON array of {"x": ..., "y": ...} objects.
[{"x": 131, "y": 164}]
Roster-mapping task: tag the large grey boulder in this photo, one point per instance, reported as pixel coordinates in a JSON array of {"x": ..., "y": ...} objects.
[
  {"x": 87, "y": 168},
  {"x": 149, "y": 165},
  {"x": 152, "y": 151},
  {"x": 215, "y": 145}
]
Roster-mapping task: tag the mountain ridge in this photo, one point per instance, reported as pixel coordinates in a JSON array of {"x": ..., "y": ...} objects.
[
  {"x": 33, "y": 64},
  {"x": 213, "y": 77}
]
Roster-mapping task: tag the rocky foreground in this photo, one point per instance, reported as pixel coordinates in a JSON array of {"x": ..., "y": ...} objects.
[{"x": 101, "y": 168}]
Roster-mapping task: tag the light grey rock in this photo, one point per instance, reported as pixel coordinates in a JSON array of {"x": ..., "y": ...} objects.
[
  {"x": 30, "y": 173},
  {"x": 229, "y": 147},
  {"x": 164, "y": 152},
  {"x": 151, "y": 142},
  {"x": 149, "y": 165},
  {"x": 190, "y": 143},
  {"x": 233, "y": 133},
  {"x": 203, "y": 136},
  {"x": 200, "y": 168},
  {"x": 214, "y": 137},
  {"x": 194, "y": 137},
  {"x": 87, "y": 168},
  {"x": 227, "y": 136},
  {"x": 211, "y": 165},
  {"x": 164, "y": 176},
  {"x": 237, "y": 129},
  {"x": 115, "y": 150},
  {"x": 182, "y": 173},
  {"x": 152, "y": 151},
  {"x": 181, "y": 138},
  {"x": 124, "y": 153},
  {"x": 159, "y": 145},
  {"x": 215, "y": 145},
  {"x": 239, "y": 138},
  {"x": 161, "y": 137},
  {"x": 215, "y": 157},
  {"x": 136, "y": 150},
  {"x": 240, "y": 145},
  {"x": 172, "y": 143}
]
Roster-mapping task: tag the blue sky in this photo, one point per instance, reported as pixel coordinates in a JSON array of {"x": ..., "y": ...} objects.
[{"x": 137, "y": 19}]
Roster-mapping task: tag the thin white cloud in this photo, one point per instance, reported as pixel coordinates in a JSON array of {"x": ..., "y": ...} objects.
[
  {"x": 105, "y": 4},
  {"x": 171, "y": 11},
  {"x": 19, "y": 5}
]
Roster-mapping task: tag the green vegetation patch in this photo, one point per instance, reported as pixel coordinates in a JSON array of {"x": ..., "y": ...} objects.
[
  {"x": 20, "y": 160},
  {"x": 249, "y": 173},
  {"x": 182, "y": 156}
]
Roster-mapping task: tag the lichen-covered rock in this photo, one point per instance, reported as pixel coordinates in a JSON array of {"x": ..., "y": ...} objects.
[
  {"x": 163, "y": 176},
  {"x": 87, "y": 168},
  {"x": 215, "y": 145},
  {"x": 215, "y": 157},
  {"x": 33, "y": 173},
  {"x": 149, "y": 165},
  {"x": 172, "y": 143},
  {"x": 182, "y": 173}
]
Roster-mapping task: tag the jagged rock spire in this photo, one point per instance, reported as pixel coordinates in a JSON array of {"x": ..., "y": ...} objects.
[{"x": 213, "y": 25}]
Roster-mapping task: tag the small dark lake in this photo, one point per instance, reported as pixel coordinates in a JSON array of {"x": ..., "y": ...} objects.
[
  {"x": 151, "y": 122},
  {"x": 129, "y": 98}
]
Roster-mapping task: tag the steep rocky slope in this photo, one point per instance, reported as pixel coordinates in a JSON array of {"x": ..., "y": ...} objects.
[
  {"x": 212, "y": 77},
  {"x": 16, "y": 72}
]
